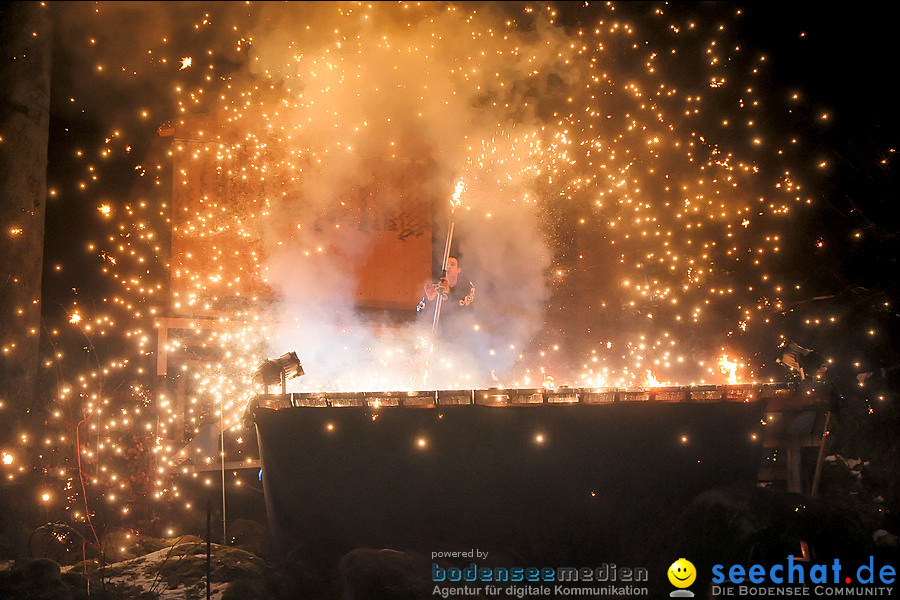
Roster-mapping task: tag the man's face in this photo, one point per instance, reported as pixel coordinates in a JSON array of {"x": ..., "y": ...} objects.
[{"x": 452, "y": 269}]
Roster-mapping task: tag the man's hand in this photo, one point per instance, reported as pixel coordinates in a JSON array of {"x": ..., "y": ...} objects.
[{"x": 432, "y": 289}]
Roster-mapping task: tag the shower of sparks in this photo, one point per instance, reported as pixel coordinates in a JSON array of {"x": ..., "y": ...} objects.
[
  {"x": 457, "y": 194},
  {"x": 636, "y": 141}
]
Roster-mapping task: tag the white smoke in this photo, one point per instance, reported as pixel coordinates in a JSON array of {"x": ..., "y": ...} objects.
[{"x": 354, "y": 83}]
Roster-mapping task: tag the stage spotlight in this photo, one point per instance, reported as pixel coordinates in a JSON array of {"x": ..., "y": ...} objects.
[{"x": 278, "y": 370}]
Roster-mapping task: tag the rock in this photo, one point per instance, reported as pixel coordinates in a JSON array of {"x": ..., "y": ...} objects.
[
  {"x": 39, "y": 579},
  {"x": 248, "y": 535},
  {"x": 246, "y": 589},
  {"x": 367, "y": 574},
  {"x": 120, "y": 544},
  {"x": 41, "y": 571},
  {"x": 884, "y": 538}
]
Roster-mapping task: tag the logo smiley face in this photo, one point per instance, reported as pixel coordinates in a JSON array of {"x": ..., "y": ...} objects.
[{"x": 682, "y": 573}]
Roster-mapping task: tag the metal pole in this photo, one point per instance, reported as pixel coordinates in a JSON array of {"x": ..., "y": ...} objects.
[
  {"x": 208, "y": 548},
  {"x": 440, "y": 298},
  {"x": 222, "y": 458}
]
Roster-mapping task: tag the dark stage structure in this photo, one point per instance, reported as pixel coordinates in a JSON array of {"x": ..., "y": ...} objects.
[{"x": 535, "y": 476}]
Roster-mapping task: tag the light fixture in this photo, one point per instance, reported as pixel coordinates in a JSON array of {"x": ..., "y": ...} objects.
[{"x": 275, "y": 370}]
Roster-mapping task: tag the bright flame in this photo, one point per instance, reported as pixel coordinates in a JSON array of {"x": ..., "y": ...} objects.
[
  {"x": 728, "y": 367},
  {"x": 457, "y": 195}
]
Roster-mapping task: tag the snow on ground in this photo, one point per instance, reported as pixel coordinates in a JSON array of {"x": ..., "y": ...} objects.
[{"x": 175, "y": 572}]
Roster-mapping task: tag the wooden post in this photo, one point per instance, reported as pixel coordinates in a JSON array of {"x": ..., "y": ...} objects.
[
  {"x": 25, "y": 46},
  {"x": 820, "y": 459}
]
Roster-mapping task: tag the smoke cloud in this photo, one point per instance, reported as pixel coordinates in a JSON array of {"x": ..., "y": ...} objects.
[
  {"x": 600, "y": 141},
  {"x": 385, "y": 81}
]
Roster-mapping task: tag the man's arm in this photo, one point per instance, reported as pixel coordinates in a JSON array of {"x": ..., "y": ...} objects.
[
  {"x": 432, "y": 289},
  {"x": 431, "y": 292}
]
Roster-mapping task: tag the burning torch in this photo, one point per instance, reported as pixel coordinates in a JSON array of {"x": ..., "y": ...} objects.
[{"x": 454, "y": 202}]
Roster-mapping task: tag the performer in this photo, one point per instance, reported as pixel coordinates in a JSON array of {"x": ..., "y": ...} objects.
[{"x": 458, "y": 294}]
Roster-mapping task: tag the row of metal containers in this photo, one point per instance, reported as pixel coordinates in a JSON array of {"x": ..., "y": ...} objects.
[{"x": 523, "y": 396}]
